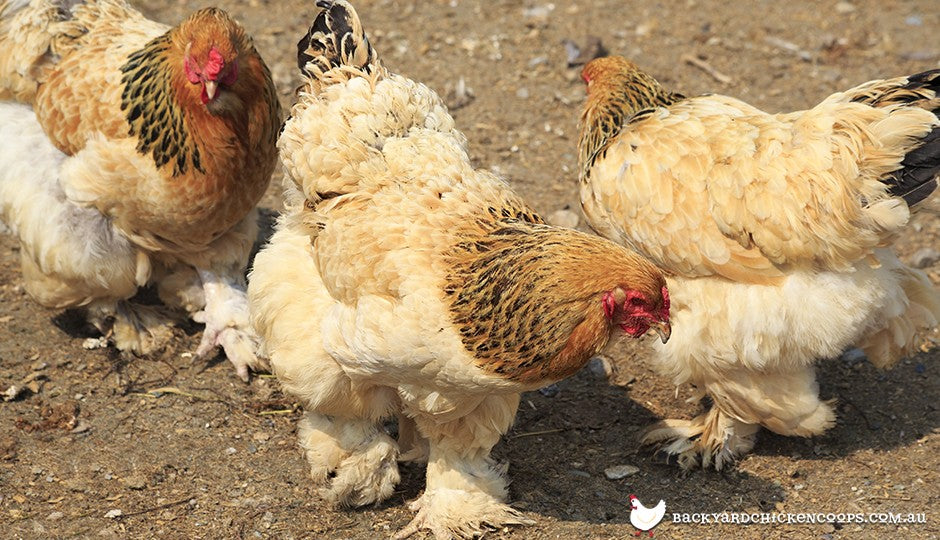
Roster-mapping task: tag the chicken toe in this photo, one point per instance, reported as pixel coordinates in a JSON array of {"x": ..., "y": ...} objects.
[{"x": 226, "y": 319}]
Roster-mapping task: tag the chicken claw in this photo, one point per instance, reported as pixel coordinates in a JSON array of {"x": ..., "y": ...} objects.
[
  {"x": 450, "y": 513},
  {"x": 227, "y": 325}
]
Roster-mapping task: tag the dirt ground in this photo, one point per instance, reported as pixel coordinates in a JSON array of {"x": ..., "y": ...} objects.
[{"x": 165, "y": 447}]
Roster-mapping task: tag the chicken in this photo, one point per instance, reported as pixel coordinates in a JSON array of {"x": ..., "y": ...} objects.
[
  {"x": 164, "y": 140},
  {"x": 401, "y": 281},
  {"x": 774, "y": 231},
  {"x": 643, "y": 518}
]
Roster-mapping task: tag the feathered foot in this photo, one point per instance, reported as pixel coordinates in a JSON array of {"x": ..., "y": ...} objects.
[
  {"x": 463, "y": 498},
  {"x": 454, "y": 514},
  {"x": 132, "y": 327},
  {"x": 712, "y": 439},
  {"x": 355, "y": 458},
  {"x": 227, "y": 325}
]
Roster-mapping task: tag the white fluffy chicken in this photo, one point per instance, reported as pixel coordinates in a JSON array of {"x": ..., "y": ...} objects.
[
  {"x": 403, "y": 282},
  {"x": 775, "y": 230}
]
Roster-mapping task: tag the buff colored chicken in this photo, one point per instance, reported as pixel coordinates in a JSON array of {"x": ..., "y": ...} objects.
[
  {"x": 164, "y": 140},
  {"x": 403, "y": 282},
  {"x": 776, "y": 230}
]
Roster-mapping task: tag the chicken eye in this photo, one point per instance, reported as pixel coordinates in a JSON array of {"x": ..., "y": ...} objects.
[{"x": 230, "y": 75}]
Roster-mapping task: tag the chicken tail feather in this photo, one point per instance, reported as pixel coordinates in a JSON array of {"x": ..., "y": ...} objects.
[
  {"x": 335, "y": 39},
  {"x": 918, "y": 176}
]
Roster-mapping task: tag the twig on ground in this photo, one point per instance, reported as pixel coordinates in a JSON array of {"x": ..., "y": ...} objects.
[{"x": 706, "y": 67}]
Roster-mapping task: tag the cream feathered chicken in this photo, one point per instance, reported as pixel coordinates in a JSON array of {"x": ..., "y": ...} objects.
[
  {"x": 775, "y": 229},
  {"x": 403, "y": 282},
  {"x": 165, "y": 139}
]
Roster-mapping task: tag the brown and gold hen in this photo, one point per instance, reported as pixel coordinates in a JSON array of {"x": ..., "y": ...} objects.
[
  {"x": 170, "y": 138},
  {"x": 402, "y": 281},
  {"x": 776, "y": 230}
]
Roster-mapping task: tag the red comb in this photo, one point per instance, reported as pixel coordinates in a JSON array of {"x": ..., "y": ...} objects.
[{"x": 214, "y": 65}]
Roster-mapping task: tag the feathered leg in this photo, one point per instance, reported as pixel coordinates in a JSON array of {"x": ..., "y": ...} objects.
[
  {"x": 341, "y": 432},
  {"x": 710, "y": 438},
  {"x": 355, "y": 457},
  {"x": 785, "y": 402},
  {"x": 918, "y": 308},
  {"x": 227, "y": 323},
  {"x": 222, "y": 303},
  {"x": 132, "y": 327},
  {"x": 465, "y": 487}
]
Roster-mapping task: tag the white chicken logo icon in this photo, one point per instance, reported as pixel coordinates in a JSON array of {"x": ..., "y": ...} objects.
[{"x": 644, "y": 518}]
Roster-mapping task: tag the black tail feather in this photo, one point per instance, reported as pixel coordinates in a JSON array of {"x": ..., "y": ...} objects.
[
  {"x": 335, "y": 38},
  {"x": 917, "y": 177}
]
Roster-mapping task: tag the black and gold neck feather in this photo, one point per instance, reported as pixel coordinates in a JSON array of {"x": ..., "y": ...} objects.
[
  {"x": 155, "y": 116},
  {"x": 616, "y": 98}
]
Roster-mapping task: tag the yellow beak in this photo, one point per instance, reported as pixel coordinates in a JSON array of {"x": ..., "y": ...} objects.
[
  {"x": 211, "y": 88},
  {"x": 663, "y": 329}
]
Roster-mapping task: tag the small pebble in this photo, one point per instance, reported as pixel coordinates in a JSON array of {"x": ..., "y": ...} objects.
[
  {"x": 135, "y": 481},
  {"x": 620, "y": 471},
  {"x": 844, "y": 7},
  {"x": 538, "y": 60},
  {"x": 599, "y": 366},
  {"x": 549, "y": 391},
  {"x": 114, "y": 513},
  {"x": 854, "y": 356},
  {"x": 230, "y": 450},
  {"x": 575, "y": 472},
  {"x": 522, "y": 93},
  {"x": 55, "y": 515},
  {"x": 95, "y": 343},
  {"x": 914, "y": 20}
]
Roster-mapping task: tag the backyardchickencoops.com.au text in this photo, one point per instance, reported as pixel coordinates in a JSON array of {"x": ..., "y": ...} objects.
[{"x": 759, "y": 518}]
